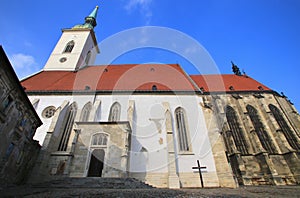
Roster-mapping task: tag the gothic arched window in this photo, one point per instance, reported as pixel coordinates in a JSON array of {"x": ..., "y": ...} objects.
[
  {"x": 236, "y": 131},
  {"x": 85, "y": 112},
  {"x": 288, "y": 133},
  {"x": 260, "y": 130},
  {"x": 99, "y": 139},
  {"x": 115, "y": 111},
  {"x": 69, "y": 47},
  {"x": 69, "y": 121},
  {"x": 182, "y": 130}
]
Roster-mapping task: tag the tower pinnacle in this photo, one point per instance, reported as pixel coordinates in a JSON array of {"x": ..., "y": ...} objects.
[
  {"x": 90, "y": 21},
  {"x": 235, "y": 69}
]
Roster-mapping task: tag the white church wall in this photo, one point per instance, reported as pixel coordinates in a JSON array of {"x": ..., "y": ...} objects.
[
  {"x": 149, "y": 146},
  {"x": 56, "y": 101},
  {"x": 107, "y": 101},
  {"x": 89, "y": 46},
  {"x": 201, "y": 146},
  {"x": 44, "y": 102}
]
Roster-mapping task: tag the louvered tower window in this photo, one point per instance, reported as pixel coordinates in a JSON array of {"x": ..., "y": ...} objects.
[
  {"x": 69, "y": 47},
  {"x": 70, "y": 116},
  {"x": 236, "y": 131},
  {"x": 288, "y": 133},
  {"x": 260, "y": 130}
]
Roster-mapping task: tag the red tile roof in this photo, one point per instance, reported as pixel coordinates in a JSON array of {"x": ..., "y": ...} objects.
[
  {"x": 134, "y": 77},
  {"x": 112, "y": 78},
  {"x": 227, "y": 83}
]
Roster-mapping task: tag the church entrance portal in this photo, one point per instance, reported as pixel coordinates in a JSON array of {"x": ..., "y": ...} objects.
[{"x": 96, "y": 163}]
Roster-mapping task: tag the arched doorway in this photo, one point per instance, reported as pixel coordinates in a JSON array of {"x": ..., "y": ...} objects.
[{"x": 96, "y": 163}]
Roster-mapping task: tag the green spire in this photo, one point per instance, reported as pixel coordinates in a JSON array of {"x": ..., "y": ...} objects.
[
  {"x": 94, "y": 13},
  {"x": 90, "y": 21}
]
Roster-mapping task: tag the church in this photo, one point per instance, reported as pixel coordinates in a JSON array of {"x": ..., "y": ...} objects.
[{"x": 156, "y": 123}]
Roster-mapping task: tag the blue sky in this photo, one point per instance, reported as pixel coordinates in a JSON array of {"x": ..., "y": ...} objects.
[{"x": 260, "y": 36}]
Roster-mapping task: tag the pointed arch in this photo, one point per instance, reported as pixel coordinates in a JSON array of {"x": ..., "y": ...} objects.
[
  {"x": 69, "y": 121},
  {"x": 99, "y": 139},
  {"x": 288, "y": 133},
  {"x": 85, "y": 112},
  {"x": 236, "y": 131},
  {"x": 115, "y": 112},
  {"x": 182, "y": 130},
  {"x": 69, "y": 47},
  {"x": 260, "y": 129}
]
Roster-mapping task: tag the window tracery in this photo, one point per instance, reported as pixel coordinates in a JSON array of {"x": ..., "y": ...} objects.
[
  {"x": 115, "y": 112},
  {"x": 70, "y": 116},
  {"x": 182, "y": 131},
  {"x": 85, "y": 112},
  {"x": 260, "y": 130},
  {"x": 288, "y": 133},
  {"x": 99, "y": 139},
  {"x": 236, "y": 131}
]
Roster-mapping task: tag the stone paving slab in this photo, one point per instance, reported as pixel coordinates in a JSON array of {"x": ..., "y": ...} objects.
[{"x": 252, "y": 191}]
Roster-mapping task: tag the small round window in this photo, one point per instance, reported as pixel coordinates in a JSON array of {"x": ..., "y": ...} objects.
[
  {"x": 63, "y": 59},
  {"x": 48, "y": 112}
]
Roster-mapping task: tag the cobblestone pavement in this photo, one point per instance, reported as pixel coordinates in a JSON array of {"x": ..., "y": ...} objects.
[{"x": 253, "y": 191}]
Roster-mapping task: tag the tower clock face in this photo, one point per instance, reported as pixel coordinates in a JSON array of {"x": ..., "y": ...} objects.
[{"x": 63, "y": 59}]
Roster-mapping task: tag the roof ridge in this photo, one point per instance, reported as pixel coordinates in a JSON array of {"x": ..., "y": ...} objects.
[{"x": 31, "y": 75}]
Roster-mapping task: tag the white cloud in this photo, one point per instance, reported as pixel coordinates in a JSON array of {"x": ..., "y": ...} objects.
[
  {"x": 133, "y": 4},
  {"x": 143, "y": 6},
  {"x": 20, "y": 61},
  {"x": 23, "y": 64}
]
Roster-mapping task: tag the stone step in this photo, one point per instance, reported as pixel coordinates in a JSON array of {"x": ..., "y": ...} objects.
[{"x": 94, "y": 182}]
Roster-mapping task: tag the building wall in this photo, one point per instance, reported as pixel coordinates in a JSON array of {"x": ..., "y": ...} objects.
[
  {"x": 154, "y": 144},
  {"x": 223, "y": 168},
  {"x": 153, "y": 149},
  {"x": 18, "y": 123},
  {"x": 75, "y": 60},
  {"x": 259, "y": 166}
]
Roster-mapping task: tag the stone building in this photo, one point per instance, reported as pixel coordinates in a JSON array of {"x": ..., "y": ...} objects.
[
  {"x": 153, "y": 122},
  {"x": 18, "y": 123},
  {"x": 259, "y": 129}
]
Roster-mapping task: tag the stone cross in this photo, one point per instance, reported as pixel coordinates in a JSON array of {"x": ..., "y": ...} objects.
[{"x": 200, "y": 172}]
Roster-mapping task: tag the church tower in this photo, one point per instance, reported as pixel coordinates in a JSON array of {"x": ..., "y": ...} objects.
[{"x": 76, "y": 48}]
